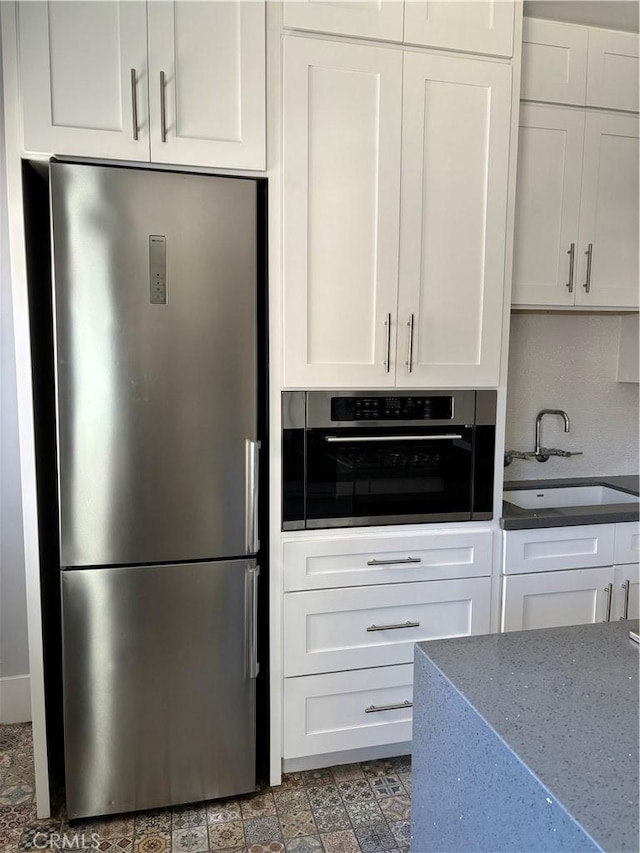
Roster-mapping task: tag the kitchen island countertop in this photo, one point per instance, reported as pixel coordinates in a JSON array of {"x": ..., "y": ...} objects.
[{"x": 527, "y": 741}]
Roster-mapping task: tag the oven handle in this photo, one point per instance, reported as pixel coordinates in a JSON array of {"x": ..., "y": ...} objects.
[{"x": 339, "y": 439}]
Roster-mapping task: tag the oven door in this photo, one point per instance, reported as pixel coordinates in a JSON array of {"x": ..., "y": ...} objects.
[{"x": 388, "y": 476}]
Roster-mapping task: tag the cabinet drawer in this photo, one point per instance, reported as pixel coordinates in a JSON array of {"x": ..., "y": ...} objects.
[
  {"x": 552, "y": 548},
  {"x": 332, "y": 630},
  {"x": 350, "y": 561},
  {"x": 627, "y": 546},
  {"x": 328, "y": 713}
]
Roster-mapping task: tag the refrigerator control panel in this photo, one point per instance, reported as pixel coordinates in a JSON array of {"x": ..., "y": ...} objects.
[{"x": 158, "y": 269}]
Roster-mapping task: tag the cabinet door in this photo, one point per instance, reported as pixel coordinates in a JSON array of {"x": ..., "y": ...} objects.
[
  {"x": 479, "y": 26},
  {"x": 212, "y": 56},
  {"x": 613, "y": 69},
  {"x": 83, "y": 74},
  {"x": 455, "y": 160},
  {"x": 381, "y": 20},
  {"x": 609, "y": 212},
  {"x": 547, "y": 205},
  {"x": 626, "y": 592},
  {"x": 553, "y": 599},
  {"x": 341, "y": 197},
  {"x": 554, "y": 62}
]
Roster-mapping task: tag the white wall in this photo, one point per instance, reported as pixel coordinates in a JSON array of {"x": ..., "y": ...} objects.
[{"x": 569, "y": 362}]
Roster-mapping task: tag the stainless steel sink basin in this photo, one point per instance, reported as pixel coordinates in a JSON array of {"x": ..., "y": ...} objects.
[{"x": 567, "y": 496}]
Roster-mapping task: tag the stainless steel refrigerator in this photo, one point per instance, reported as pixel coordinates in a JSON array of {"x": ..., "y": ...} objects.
[{"x": 156, "y": 380}]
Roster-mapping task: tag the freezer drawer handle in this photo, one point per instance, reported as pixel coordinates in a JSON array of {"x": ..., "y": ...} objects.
[
  {"x": 251, "y": 496},
  {"x": 372, "y": 709},
  {"x": 252, "y": 621},
  {"x": 394, "y": 627},
  {"x": 399, "y": 562}
]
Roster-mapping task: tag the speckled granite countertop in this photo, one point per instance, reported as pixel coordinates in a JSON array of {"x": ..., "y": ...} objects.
[
  {"x": 527, "y": 741},
  {"x": 516, "y": 518}
]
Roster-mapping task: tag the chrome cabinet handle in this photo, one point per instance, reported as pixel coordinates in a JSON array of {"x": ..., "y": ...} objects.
[
  {"x": 409, "y": 361},
  {"x": 252, "y": 449},
  {"x": 609, "y": 590},
  {"x": 134, "y": 104},
  {"x": 163, "y": 110},
  {"x": 394, "y": 627},
  {"x": 387, "y": 363},
  {"x": 341, "y": 439},
  {"x": 252, "y": 621},
  {"x": 372, "y": 709},
  {"x": 572, "y": 257},
  {"x": 626, "y": 586},
  {"x": 587, "y": 283},
  {"x": 399, "y": 562}
]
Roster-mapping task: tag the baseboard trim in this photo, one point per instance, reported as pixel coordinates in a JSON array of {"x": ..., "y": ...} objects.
[{"x": 15, "y": 699}]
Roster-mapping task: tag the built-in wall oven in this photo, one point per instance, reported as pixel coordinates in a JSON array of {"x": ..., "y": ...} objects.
[{"x": 354, "y": 458}]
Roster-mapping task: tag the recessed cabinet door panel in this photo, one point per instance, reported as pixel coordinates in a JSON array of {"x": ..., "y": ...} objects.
[
  {"x": 479, "y": 26},
  {"x": 76, "y": 65},
  {"x": 547, "y": 205},
  {"x": 455, "y": 158},
  {"x": 554, "y": 62},
  {"x": 341, "y": 197},
  {"x": 380, "y": 19},
  {"x": 213, "y": 59},
  {"x": 609, "y": 212},
  {"x": 613, "y": 70}
]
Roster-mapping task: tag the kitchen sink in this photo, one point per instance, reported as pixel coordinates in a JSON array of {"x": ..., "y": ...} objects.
[{"x": 568, "y": 496}]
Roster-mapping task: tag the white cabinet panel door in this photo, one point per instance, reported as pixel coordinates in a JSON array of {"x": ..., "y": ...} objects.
[
  {"x": 553, "y": 599},
  {"x": 547, "y": 205},
  {"x": 380, "y": 19},
  {"x": 478, "y": 26},
  {"x": 554, "y": 62},
  {"x": 212, "y": 56},
  {"x": 83, "y": 70},
  {"x": 341, "y": 196},
  {"x": 455, "y": 157},
  {"x": 613, "y": 69},
  {"x": 627, "y": 542},
  {"x": 626, "y": 592},
  {"x": 609, "y": 212}
]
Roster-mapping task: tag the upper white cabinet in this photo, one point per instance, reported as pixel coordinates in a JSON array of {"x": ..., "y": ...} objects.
[
  {"x": 584, "y": 66},
  {"x": 83, "y": 75},
  {"x": 355, "y": 313},
  {"x": 171, "y": 82},
  {"x": 479, "y": 26}
]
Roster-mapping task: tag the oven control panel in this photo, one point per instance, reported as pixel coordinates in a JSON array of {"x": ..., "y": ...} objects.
[{"x": 391, "y": 408}]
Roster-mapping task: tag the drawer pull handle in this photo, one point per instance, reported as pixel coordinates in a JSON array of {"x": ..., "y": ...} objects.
[
  {"x": 400, "y": 562},
  {"x": 372, "y": 709},
  {"x": 345, "y": 439},
  {"x": 609, "y": 590},
  {"x": 406, "y": 624}
]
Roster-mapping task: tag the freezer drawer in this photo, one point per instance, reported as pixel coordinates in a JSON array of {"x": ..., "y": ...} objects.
[{"x": 159, "y": 685}]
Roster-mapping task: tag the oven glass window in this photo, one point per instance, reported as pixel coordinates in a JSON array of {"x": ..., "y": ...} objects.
[{"x": 356, "y": 473}]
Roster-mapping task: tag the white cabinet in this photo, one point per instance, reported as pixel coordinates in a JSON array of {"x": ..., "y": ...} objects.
[
  {"x": 576, "y": 231},
  {"x": 585, "y": 66},
  {"x": 479, "y": 26},
  {"x": 626, "y": 592},
  {"x": 355, "y": 313},
  {"x": 551, "y": 548},
  {"x": 171, "y": 82},
  {"x": 382, "y": 20}
]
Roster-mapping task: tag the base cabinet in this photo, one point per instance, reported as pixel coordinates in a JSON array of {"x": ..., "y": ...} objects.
[{"x": 626, "y": 592}]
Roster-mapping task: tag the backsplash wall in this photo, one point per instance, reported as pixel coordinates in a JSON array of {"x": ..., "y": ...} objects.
[{"x": 569, "y": 362}]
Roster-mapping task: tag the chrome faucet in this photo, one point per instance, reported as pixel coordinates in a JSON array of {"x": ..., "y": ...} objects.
[{"x": 540, "y": 454}]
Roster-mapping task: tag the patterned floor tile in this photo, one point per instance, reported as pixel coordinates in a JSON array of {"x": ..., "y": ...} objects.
[
  {"x": 193, "y": 839},
  {"x": 115, "y": 845},
  {"x": 331, "y": 819},
  {"x": 291, "y": 780},
  {"x": 396, "y": 808},
  {"x": 324, "y": 796},
  {"x": 304, "y": 844},
  {"x": 258, "y": 805},
  {"x": 346, "y": 772},
  {"x": 321, "y": 776},
  {"x": 381, "y": 767},
  {"x": 14, "y": 735},
  {"x": 16, "y": 817},
  {"x": 37, "y": 835},
  {"x": 297, "y": 824},
  {"x": 364, "y": 813},
  {"x": 355, "y": 791},
  {"x": 402, "y": 763},
  {"x": 152, "y": 842},
  {"x": 375, "y": 838},
  {"x": 221, "y": 811},
  {"x": 401, "y": 830},
  {"x": 274, "y": 847},
  {"x": 340, "y": 842},
  {"x": 158, "y": 821},
  {"x": 293, "y": 800},
  {"x": 386, "y": 786},
  {"x": 15, "y": 795},
  {"x": 405, "y": 778},
  {"x": 225, "y": 835},
  {"x": 119, "y": 826},
  {"x": 184, "y": 817},
  {"x": 9, "y": 840},
  {"x": 262, "y": 830}
]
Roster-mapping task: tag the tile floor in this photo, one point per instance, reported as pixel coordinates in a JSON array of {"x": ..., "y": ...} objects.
[{"x": 347, "y": 809}]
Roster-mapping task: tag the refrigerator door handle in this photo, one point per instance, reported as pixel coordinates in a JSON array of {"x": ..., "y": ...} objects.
[
  {"x": 251, "y": 514},
  {"x": 253, "y": 667}
]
